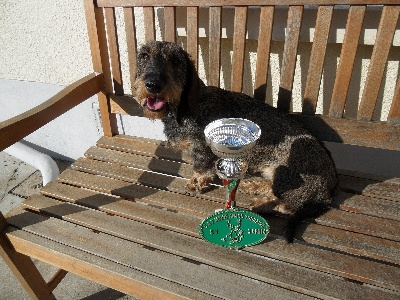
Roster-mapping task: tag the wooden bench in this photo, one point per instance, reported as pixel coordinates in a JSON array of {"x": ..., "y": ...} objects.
[{"x": 121, "y": 216}]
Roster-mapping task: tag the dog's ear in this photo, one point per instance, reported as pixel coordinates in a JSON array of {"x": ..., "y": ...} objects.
[{"x": 189, "y": 99}]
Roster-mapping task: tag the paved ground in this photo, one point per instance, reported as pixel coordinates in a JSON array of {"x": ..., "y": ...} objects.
[{"x": 17, "y": 181}]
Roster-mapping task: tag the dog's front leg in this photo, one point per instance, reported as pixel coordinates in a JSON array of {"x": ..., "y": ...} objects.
[{"x": 204, "y": 171}]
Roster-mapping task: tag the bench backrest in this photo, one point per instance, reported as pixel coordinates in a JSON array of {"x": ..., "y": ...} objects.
[{"x": 241, "y": 32}]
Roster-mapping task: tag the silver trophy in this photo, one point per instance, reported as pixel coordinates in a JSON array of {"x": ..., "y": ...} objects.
[{"x": 231, "y": 139}]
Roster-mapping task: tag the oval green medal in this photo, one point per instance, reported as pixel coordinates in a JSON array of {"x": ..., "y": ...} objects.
[{"x": 234, "y": 228}]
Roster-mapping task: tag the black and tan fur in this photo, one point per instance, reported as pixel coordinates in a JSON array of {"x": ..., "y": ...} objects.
[{"x": 299, "y": 174}]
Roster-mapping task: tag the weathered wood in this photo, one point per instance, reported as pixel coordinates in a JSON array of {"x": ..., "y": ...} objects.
[
  {"x": 107, "y": 3},
  {"x": 295, "y": 15},
  {"x": 191, "y": 248},
  {"x": 193, "y": 34},
  {"x": 263, "y": 52},
  {"x": 239, "y": 44},
  {"x": 22, "y": 267},
  {"x": 149, "y": 26},
  {"x": 120, "y": 277},
  {"x": 131, "y": 43},
  {"x": 99, "y": 50},
  {"x": 394, "y": 113},
  {"x": 170, "y": 24},
  {"x": 317, "y": 59},
  {"x": 56, "y": 279},
  {"x": 377, "y": 66},
  {"x": 214, "y": 46},
  {"x": 112, "y": 38},
  {"x": 14, "y": 129},
  {"x": 346, "y": 62},
  {"x": 353, "y": 132}
]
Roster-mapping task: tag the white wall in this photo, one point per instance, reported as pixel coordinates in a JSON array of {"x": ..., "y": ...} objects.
[{"x": 44, "y": 46}]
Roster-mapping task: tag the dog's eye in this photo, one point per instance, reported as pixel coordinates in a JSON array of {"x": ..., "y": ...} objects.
[{"x": 144, "y": 57}]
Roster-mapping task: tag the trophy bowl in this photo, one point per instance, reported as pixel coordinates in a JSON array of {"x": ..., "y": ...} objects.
[{"x": 231, "y": 137}]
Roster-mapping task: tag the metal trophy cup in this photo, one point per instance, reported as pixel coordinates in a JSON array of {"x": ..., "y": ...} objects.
[{"x": 232, "y": 139}]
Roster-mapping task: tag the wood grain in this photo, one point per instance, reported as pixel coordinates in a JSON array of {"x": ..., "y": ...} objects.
[
  {"x": 14, "y": 129},
  {"x": 347, "y": 56},
  {"x": 239, "y": 44},
  {"x": 131, "y": 43},
  {"x": 214, "y": 46}
]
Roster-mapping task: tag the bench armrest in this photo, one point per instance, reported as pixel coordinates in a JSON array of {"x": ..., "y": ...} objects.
[{"x": 15, "y": 129}]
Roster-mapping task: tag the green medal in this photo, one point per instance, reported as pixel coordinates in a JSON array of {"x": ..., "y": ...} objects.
[{"x": 233, "y": 227}]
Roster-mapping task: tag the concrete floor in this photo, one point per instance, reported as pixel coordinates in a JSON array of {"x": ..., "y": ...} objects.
[{"x": 18, "y": 180}]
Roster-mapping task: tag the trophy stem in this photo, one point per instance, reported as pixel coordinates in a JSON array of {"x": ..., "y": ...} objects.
[{"x": 231, "y": 188}]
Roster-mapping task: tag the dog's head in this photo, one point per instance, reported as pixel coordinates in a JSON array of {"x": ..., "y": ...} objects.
[{"x": 166, "y": 80}]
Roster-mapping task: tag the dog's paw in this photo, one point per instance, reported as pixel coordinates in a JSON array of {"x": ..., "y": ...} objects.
[{"x": 199, "y": 183}]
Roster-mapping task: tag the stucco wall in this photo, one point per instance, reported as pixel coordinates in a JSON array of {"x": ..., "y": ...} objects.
[{"x": 44, "y": 46}]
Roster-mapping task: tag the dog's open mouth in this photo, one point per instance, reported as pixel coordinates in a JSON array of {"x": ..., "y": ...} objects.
[{"x": 155, "y": 104}]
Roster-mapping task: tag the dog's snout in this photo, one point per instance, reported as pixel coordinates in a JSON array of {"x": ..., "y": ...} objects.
[
  {"x": 154, "y": 85},
  {"x": 154, "y": 82}
]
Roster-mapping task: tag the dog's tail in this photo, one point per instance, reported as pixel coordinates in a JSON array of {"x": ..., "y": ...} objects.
[{"x": 308, "y": 210}]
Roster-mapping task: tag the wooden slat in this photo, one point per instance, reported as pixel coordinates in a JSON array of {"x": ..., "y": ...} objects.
[
  {"x": 368, "y": 205},
  {"x": 323, "y": 23},
  {"x": 128, "y": 190},
  {"x": 394, "y": 113},
  {"x": 239, "y": 44},
  {"x": 131, "y": 43},
  {"x": 289, "y": 57},
  {"x": 263, "y": 52},
  {"x": 194, "y": 248},
  {"x": 111, "y": 3},
  {"x": 14, "y": 129},
  {"x": 112, "y": 37},
  {"x": 321, "y": 260},
  {"x": 210, "y": 280},
  {"x": 214, "y": 46},
  {"x": 149, "y": 25},
  {"x": 170, "y": 24},
  {"x": 101, "y": 63},
  {"x": 23, "y": 267},
  {"x": 389, "y": 189},
  {"x": 353, "y": 132},
  {"x": 104, "y": 271},
  {"x": 138, "y": 161},
  {"x": 193, "y": 34},
  {"x": 384, "y": 37},
  {"x": 346, "y": 62},
  {"x": 338, "y": 219}
]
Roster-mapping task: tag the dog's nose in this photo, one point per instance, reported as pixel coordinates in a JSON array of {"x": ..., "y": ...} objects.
[{"x": 153, "y": 86}]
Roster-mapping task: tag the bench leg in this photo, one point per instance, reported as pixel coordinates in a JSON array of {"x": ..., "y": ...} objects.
[{"x": 23, "y": 267}]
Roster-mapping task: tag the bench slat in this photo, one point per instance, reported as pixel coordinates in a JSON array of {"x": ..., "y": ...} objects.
[
  {"x": 321, "y": 34},
  {"x": 170, "y": 24},
  {"x": 346, "y": 62},
  {"x": 131, "y": 42},
  {"x": 178, "y": 186},
  {"x": 149, "y": 27},
  {"x": 112, "y": 38},
  {"x": 384, "y": 37},
  {"x": 323, "y": 260},
  {"x": 346, "y": 201},
  {"x": 295, "y": 15},
  {"x": 214, "y": 46},
  {"x": 191, "y": 248},
  {"x": 122, "y": 278},
  {"x": 193, "y": 34},
  {"x": 263, "y": 52},
  {"x": 239, "y": 44}
]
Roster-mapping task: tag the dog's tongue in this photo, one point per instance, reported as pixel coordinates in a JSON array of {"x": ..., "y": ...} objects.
[{"x": 155, "y": 103}]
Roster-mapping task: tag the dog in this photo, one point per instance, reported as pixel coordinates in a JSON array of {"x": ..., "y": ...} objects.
[{"x": 299, "y": 175}]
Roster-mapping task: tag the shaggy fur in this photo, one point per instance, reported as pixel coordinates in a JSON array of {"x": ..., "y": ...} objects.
[{"x": 299, "y": 174}]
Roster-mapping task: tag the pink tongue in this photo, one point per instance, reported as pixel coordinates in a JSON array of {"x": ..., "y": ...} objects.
[{"x": 155, "y": 103}]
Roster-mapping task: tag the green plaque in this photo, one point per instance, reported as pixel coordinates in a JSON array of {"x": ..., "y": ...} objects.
[{"x": 234, "y": 228}]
